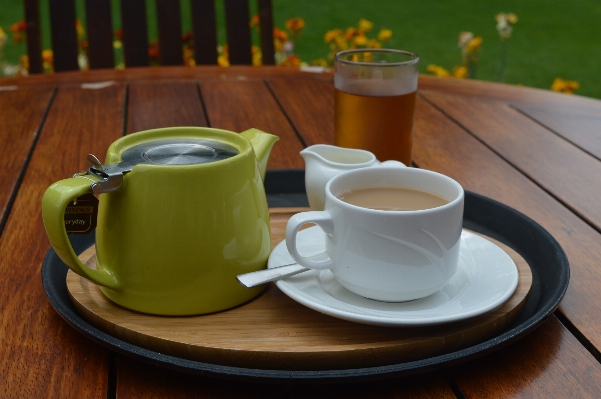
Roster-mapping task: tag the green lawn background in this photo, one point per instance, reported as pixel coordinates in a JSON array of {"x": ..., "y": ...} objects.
[{"x": 553, "y": 38}]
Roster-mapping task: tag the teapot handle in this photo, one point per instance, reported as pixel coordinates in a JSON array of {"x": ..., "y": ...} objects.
[{"x": 54, "y": 202}]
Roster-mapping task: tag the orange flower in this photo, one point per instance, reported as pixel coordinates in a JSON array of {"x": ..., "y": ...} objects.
[
  {"x": 474, "y": 44},
  {"x": 257, "y": 55},
  {"x": 119, "y": 34},
  {"x": 385, "y": 35},
  {"x": 255, "y": 21},
  {"x": 331, "y": 35},
  {"x": 189, "y": 55},
  {"x": 295, "y": 25},
  {"x": 3, "y": 38},
  {"x": 48, "y": 61},
  {"x": 19, "y": 30},
  {"x": 48, "y": 56},
  {"x": 153, "y": 51},
  {"x": 292, "y": 61},
  {"x": 20, "y": 26},
  {"x": 223, "y": 60},
  {"x": 365, "y": 25},
  {"x": 340, "y": 43},
  {"x": 320, "y": 62},
  {"x": 24, "y": 61},
  {"x": 223, "y": 57},
  {"x": 350, "y": 32},
  {"x": 187, "y": 37},
  {"x": 360, "y": 40},
  {"x": 565, "y": 86},
  {"x": 460, "y": 72},
  {"x": 79, "y": 27},
  {"x": 280, "y": 38},
  {"x": 354, "y": 37},
  {"x": 438, "y": 71},
  {"x": 280, "y": 34}
]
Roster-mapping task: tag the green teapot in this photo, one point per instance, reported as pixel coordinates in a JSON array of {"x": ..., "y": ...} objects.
[{"x": 182, "y": 211}]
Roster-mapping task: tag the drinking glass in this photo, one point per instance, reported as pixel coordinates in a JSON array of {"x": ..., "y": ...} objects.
[{"x": 375, "y": 101}]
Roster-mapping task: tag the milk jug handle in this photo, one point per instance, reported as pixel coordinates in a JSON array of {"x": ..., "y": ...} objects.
[
  {"x": 54, "y": 202},
  {"x": 322, "y": 219}
]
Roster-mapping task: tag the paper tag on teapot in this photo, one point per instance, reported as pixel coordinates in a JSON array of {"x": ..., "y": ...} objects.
[{"x": 81, "y": 215}]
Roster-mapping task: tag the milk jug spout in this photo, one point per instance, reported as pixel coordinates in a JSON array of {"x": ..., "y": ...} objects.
[{"x": 322, "y": 162}]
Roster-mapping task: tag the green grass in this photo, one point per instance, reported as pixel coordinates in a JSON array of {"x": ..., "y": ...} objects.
[{"x": 553, "y": 38}]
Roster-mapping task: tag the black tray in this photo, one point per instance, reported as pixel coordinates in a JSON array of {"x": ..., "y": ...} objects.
[{"x": 550, "y": 274}]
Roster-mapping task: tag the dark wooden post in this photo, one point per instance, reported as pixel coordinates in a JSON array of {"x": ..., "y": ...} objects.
[
  {"x": 238, "y": 31},
  {"x": 266, "y": 20},
  {"x": 34, "y": 38},
  {"x": 100, "y": 34},
  {"x": 169, "y": 22},
  {"x": 135, "y": 32},
  {"x": 64, "y": 35},
  {"x": 204, "y": 30}
]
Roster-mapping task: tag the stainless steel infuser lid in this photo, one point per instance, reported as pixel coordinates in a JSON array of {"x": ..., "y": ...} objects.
[{"x": 181, "y": 151}]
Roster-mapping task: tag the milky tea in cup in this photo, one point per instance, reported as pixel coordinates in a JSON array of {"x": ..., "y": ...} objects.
[
  {"x": 390, "y": 198},
  {"x": 392, "y": 234}
]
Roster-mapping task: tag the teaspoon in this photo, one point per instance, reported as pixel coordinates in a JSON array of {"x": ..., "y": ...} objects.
[{"x": 265, "y": 276}]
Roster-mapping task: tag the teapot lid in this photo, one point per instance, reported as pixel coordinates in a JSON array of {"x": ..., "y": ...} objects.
[
  {"x": 186, "y": 151},
  {"x": 176, "y": 151}
]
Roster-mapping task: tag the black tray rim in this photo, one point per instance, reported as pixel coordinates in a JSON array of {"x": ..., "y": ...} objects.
[{"x": 547, "y": 292}]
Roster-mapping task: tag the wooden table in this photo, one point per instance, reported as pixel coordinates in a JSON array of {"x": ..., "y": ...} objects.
[{"x": 533, "y": 150}]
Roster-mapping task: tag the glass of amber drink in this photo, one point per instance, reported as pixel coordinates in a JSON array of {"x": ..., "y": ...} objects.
[{"x": 375, "y": 101}]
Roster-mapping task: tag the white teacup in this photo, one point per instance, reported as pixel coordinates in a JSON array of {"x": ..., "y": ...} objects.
[{"x": 386, "y": 255}]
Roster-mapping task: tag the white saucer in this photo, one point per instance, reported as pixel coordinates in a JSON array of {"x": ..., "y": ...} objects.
[{"x": 486, "y": 277}]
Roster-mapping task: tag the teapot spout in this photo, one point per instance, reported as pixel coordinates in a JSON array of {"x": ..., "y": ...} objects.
[{"x": 262, "y": 144}]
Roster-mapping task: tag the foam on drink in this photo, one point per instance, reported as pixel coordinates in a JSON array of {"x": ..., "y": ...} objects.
[{"x": 376, "y": 81}]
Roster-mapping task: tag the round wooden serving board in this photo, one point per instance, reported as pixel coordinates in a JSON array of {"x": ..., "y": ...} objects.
[{"x": 274, "y": 332}]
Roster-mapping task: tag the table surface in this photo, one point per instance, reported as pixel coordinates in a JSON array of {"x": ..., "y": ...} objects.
[{"x": 536, "y": 151}]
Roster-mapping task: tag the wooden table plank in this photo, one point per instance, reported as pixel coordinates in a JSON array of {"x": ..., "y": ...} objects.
[
  {"x": 443, "y": 146},
  {"x": 510, "y": 94},
  {"x": 164, "y": 73},
  {"x": 550, "y": 350},
  {"x": 581, "y": 128},
  {"x": 40, "y": 354},
  {"x": 23, "y": 112},
  {"x": 569, "y": 174},
  {"x": 240, "y": 105},
  {"x": 156, "y": 105},
  {"x": 43, "y": 356},
  {"x": 308, "y": 103},
  {"x": 141, "y": 380}
]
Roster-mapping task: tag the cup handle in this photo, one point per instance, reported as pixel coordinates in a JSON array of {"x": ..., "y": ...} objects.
[
  {"x": 54, "y": 202},
  {"x": 321, "y": 218}
]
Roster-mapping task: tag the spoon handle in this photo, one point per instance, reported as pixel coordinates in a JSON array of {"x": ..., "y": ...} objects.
[{"x": 265, "y": 276}]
